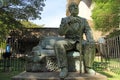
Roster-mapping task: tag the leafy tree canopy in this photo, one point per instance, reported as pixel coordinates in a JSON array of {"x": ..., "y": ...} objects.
[
  {"x": 105, "y": 14},
  {"x": 22, "y": 9},
  {"x": 7, "y": 23},
  {"x": 27, "y": 24},
  {"x": 14, "y": 14}
]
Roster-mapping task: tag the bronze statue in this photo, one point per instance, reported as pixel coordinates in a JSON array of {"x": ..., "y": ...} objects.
[{"x": 73, "y": 27}]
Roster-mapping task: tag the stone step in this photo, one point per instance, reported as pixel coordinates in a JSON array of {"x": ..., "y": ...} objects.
[{"x": 55, "y": 76}]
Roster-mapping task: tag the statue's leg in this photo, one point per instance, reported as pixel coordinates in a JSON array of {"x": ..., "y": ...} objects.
[
  {"x": 60, "y": 49},
  {"x": 88, "y": 57}
]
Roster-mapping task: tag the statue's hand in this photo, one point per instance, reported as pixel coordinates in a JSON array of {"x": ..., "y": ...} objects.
[
  {"x": 79, "y": 47},
  {"x": 74, "y": 19}
]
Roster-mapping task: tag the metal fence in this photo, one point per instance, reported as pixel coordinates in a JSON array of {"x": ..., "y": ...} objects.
[
  {"x": 12, "y": 64},
  {"x": 109, "y": 54},
  {"x": 13, "y": 61},
  {"x": 108, "y": 58},
  {"x": 113, "y": 53}
]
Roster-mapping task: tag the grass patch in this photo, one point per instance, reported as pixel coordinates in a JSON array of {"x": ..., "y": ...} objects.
[
  {"x": 100, "y": 67},
  {"x": 8, "y": 75},
  {"x": 110, "y": 75}
]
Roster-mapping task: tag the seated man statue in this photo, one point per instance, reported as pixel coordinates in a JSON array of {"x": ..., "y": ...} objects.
[{"x": 73, "y": 27}]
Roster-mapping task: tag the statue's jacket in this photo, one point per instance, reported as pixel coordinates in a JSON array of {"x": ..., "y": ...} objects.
[{"x": 74, "y": 30}]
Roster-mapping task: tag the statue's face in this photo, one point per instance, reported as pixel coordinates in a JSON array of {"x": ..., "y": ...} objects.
[{"x": 74, "y": 9}]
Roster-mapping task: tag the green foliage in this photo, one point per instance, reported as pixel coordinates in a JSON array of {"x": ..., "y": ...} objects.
[
  {"x": 7, "y": 23},
  {"x": 28, "y": 24},
  {"x": 113, "y": 33},
  {"x": 23, "y": 9},
  {"x": 105, "y": 14},
  {"x": 14, "y": 14}
]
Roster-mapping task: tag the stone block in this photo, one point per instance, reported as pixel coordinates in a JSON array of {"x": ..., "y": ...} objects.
[{"x": 55, "y": 76}]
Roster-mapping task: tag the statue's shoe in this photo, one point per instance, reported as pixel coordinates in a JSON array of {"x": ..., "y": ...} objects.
[
  {"x": 90, "y": 71},
  {"x": 63, "y": 73}
]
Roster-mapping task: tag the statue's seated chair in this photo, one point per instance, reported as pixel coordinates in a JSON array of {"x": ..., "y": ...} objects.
[{"x": 42, "y": 57}]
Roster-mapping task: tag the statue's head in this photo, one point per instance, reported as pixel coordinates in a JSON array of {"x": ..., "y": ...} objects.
[{"x": 73, "y": 8}]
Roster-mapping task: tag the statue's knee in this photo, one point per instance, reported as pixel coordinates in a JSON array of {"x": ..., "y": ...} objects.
[
  {"x": 90, "y": 45},
  {"x": 89, "y": 48},
  {"x": 58, "y": 44}
]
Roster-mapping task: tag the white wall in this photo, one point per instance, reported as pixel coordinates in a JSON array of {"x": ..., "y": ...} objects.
[{"x": 84, "y": 10}]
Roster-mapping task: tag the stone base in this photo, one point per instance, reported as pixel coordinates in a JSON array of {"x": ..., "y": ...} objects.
[{"x": 55, "y": 76}]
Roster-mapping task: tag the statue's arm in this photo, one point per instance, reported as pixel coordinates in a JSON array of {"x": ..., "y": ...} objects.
[
  {"x": 88, "y": 32},
  {"x": 64, "y": 26}
]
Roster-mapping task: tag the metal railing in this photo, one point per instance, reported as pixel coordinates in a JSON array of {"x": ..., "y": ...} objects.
[
  {"x": 109, "y": 58},
  {"x": 113, "y": 53}
]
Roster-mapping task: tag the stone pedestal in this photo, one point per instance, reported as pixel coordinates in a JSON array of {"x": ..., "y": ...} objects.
[
  {"x": 49, "y": 63},
  {"x": 55, "y": 76}
]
